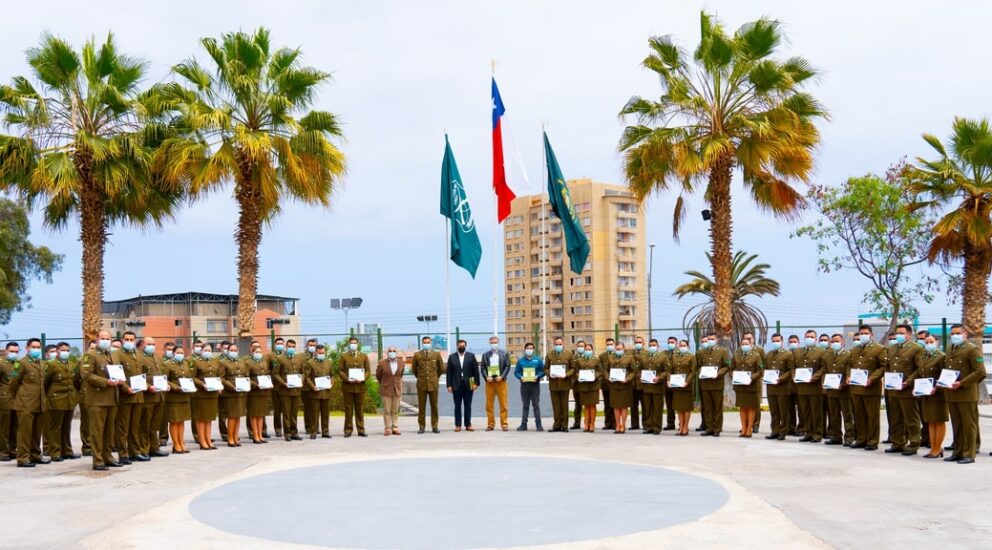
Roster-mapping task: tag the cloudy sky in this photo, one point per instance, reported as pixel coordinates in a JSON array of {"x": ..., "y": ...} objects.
[{"x": 406, "y": 71}]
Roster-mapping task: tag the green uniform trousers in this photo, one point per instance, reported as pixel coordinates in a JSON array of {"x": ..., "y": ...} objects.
[
  {"x": 577, "y": 407},
  {"x": 904, "y": 431},
  {"x": 712, "y": 410},
  {"x": 670, "y": 410},
  {"x": 559, "y": 409},
  {"x": 778, "y": 405},
  {"x": 840, "y": 419},
  {"x": 305, "y": 397},
  {"x": 222, "y": 417},
  {"x": 637, "y": 409},
  {"x": 654, "y": 408},
  {"x": 354, "y": 412},
  {"x": 8, "y": 433},
  {"x": 151, "y": 424},
  {"x": 84, "y": 428},
  {"x": 423, "y": 397},
  {"x": 609, "y": 421},
  {"x": 320, "y": 415},
  {"x": 290, "y": 414},
  {"x": 277, "y": 414},
  {"x": 128, "y": 426},
  {"x": 103, "y": 425},
  {"x": 29, "y": 437},
  {"x": 964, "y": 422},
  {"x": 811, "y": 411},
  {"x": 58, "y": 433},
  {"x": 867, "y": 410}
]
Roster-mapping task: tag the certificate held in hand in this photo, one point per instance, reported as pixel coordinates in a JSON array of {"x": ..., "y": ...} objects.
[
  {"x": 587, "y": 375},
  {"x": 529, "y": 374},
  {"x": 948, "y": 377},
  {"x": 742, "y": 378},
  {"x": 770, "y": 377},
  {"x": 116, "y": 373},
  {"x": 647, "y": 376},
  {"x": 893, "y": 380},
  {"x": 242, "y": 384},
  {"x": 264, "y": 382},
  {"x": 804, "y": 375},
  {"x": 322, "y": 382},
  {"x": 138, "y": 383},
  {"x": 676, "y": 381},
  {"x": 294, "y": 381},
  {"x": 213, "y": 383},
  {"x": 707, "y": 372},
  {"x": 557, "y": 371},
  {"x": 187, "y": 385},
  {"x": 618, "y": 375},
  {"x": 922, "y": 387},
  {"x": 160, "y": 382},
  {"x": 859, "y": 377},
  {"x": 832, "y": 380},
  {"x": 356, "y": 375}
]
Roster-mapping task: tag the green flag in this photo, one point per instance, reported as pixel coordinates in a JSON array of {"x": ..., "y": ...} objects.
[
  {"x": 466, "y": 250},
  {"x": 576, "y": 242}
]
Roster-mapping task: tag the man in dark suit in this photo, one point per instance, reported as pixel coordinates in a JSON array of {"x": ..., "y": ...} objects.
[{"x": 463, "y": 376}]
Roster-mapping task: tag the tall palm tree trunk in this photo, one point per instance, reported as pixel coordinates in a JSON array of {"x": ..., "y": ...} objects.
[
  {"x": 721, "y": 232},
  {"x": 976, "y": 291},
  {"x": 249, "y": 237},
  {"x": 93, "y": 237}
]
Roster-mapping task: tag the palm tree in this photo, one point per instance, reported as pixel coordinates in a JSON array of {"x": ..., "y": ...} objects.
[
  {"x": 80, "y": 146},
  {"x": 959, "y": 184},
  {"x": 247, "y": 120},
  {"x": 732, "y": 106},
  {"x": 746, "y": 280}
]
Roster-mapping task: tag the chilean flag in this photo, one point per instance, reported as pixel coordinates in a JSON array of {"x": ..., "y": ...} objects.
[{"x": 504, "y": 195}]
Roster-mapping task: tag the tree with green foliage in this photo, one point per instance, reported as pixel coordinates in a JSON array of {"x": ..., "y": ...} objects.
[
  {"x": 730, "y": 106},
  {"x": 22, "y": 261},
  {"x": 867, "y": 225}
]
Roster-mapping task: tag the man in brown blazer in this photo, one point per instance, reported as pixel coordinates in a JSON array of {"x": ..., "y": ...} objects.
[{"x": 389, "y": 373}]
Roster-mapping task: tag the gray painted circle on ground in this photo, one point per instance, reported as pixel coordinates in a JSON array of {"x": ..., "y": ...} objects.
[{"x": 457, "y": 502}]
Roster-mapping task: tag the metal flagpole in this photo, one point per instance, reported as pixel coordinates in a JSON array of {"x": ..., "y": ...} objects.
[
  {"x": 447, "y": 283},
  {"x": 495, "y": 243},
  {"x": 544, "y": 256}
]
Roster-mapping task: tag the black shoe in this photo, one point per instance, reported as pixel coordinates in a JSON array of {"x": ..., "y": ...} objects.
[
  {"x": 772, "y": 436},
  {"x": 848, "y": 443},
  {"x": 58, "y": 459},
  {"x": 326, "y": 436},
  {"x": 362, "y": 434},
  {"x": 347, "y": 434},
  {"x": 288, "y": 438},
  {"x": 893, "y": 450},
  {"x": 265, "y": 434},
  {"x": 142, "y": 458},
  {"x": 909, "y": 452},
  {"x": 576, "y": 426},
  {"x": 781, "y": 438},
  {"x": 115, "y": 464},
  {"x": 159, "y": 454},
  {"x": 952, "y": 458},
  {"x": 669, "y": 428},
  {"x": 87, "y": 452},
  {"x": 805, "y": 439},
  {"x": 832, "y": 442},
  {"x": 25, "y": 464},
  {"x": 313, "y": 436},
  {"x": 420, "y": 431},
  {"x": 700, "y": 429},
  {"x": 101, "y": 468},
  {"x": 966, "y": 461},
  {"x": 6, "y": 458},
  {"x": 125, "y": 461},
  {"x": 522, "y": 428},
  {"x": 435, "y": 430},
  {"x": 887, "y": 441},
  {"x": 539, "y": 428},
  {"x": 857, "y": 445},
  {"x": 756, "y": 430},
  {"x": 717, "y": 434},
  {"x": 296, "y": 438},
  {"x": 705, "y": 434},
  {"x": 278, "y": 434},
  {"x": 871, "y": 447},
  {"x": 73, "y": 456},
  {"x": 949, "y": 448}
]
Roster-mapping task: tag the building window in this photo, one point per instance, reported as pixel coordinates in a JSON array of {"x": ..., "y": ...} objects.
[{"x": 217, "y": 326}]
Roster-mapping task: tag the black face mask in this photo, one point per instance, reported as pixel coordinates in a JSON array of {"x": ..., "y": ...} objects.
[{"x": 461, "y": 349}]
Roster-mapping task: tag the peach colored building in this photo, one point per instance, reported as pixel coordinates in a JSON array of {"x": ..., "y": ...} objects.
[{"x": 210, "y": 317}]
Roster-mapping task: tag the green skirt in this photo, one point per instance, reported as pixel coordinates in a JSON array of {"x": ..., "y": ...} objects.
[
  {"x": 259, "y": 403},
  {"x": 178, "y": 412}
]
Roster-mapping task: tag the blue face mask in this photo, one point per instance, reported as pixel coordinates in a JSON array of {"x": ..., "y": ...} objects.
[
  {"x": 638, "y": 347},
  {"x": 256, "y": 356},
  {"x": 280, "y": 348},
  {"x": 206, "y": 354},
  {"x": 793, "y": 345},
  {"x": 427, "y": 346},
  {"x": 320, "y": 356},
  {"x": 746, "y": 348},
  {"x": 168, "y": 354},
  {"x": 957, "y": 339},
  {"x": 128, "y": 346},
  {"x": 823, "y": 344},
  {"x": 103, "y": 344},
  {"x": 900, "y": 338},
  {"x": 864, "y": 338},
  {"x": 179, "y": 357},
  {"x": 587, "y": 354},
  {"x": 11, "y": 356},
  {"x": 353, "y": 346},
  {"x": 528, "y": 352},
  {"x": 671, "y": 346},
  {"x": 609, "y": 348},
  {"x": 391, "y": 354},
  {"x": 580, "y": 351},
  {"x": 558, "y": 349},
  {"x": 149, "y": 349},
  {"x": 776, "y": 346},
  {"x": 931, "y": 348},
  {"x": 34, "y": 353},
  {"x": 836, "y": 346},
  {"x": 312, "y": 349},
  {"x": 810, "y": 342},
  {"x": 290, "y": 351},
  {"x": 653, "y": 349},
  {"x": 618, "y": 352},
  {"x": 64, "y": 355}
]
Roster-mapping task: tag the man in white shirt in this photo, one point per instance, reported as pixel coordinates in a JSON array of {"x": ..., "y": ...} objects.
[{"x": 389, "y": 373}]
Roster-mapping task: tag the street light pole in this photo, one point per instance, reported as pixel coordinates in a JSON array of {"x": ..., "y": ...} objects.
[{"x": 650, "y": 272}]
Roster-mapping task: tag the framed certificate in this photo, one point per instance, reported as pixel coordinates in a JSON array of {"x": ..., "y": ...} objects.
[
  {"x": 587, "y": 375},
  {"x": 948, "y": 377},
  {"x": 187, "y": 385},
  {"x": 557, "y": 371},
  {"x": 647, "y": 376},
  {"x": 138, "y": 383},
  {"x": 160, "y": 382},
  {"x": 707, "y": 372},
  {"x": 742, "y": 378},
  {"x": 529, "y": 374},
  {"x": 116, "y": 373},
  {"x": 294, "y": 381},
  {"x": 922, "y": 387},
  {"x": 804, "y": 375},
  {"x": 322, "y": 382},
  {"x": 676, "y": 381},
  {"x": 242, "y": 384},
  {"x": 356, "y": 375},
  {"x": 493, "y": 371},
  {"x": 264, "y": 382},
  {"x": 770, "y": 377},
  {"x": 618, "y": 375},
  {"x": 893, "y": 380},
  {"x": 832, "y": 380},
  {"x": 859, "y": 377},
  {"x": 213, "y": 383}
]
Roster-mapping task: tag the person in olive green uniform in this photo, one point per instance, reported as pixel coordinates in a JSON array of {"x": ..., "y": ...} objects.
[
  {"x": 746, "y": 359},
  {"x": 151, "y": 420},
  {"x": 871, "y": 358},
  {"x": 761, "y": 354},
  {"x": 353, "y": 390},
  {"x": 683, "y": 362},
  {"x": 934, "y": 405},
  {"x": 559, "y": 387},
  {"x": 101, "y": 400},
  {"x": 671, "y": 347},
  {"x": 278, "y": 350},
  {"x": 319, "y": 401},
  {"x": 205, "y": 402},
  {"x": 840, "y": 414},
  {"x": 222, "y": 359},
  {"x": 177, "y": 402},
  {"x": 907, "y": 359},
  {"x": 259, "y": 400},
  {"x": 130, "y": 404},
  {"x": 962, "y": 397},
  {"x": 287, "y": 364},
  {"x": 577, "y": 409},
  {"x": 309, "y": 350},
  {"x": 163, "y": 426},
  {"x": 427, "y": 369},
  {"x": 609, "y": 421},
  {"x": 8, "y": 417},
  {"x": 638, "y": 410},
  {"x": 810, "y": 394},
  {"x": 781, "y": 361},
  {"x": 588, "y": 392},
  {"x": 711, "y": 389},
  {"x": 795, "y": 414},
  {"x": 235, "y": 401},
  {"x": 60, "y": 398},
  {"x": 27, "y": 389},
  {"x": 654, "y": 393},
  {"x": 621, "y": 392}
]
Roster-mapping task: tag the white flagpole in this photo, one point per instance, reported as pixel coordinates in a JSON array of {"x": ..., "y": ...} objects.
[
  {"x": 447, "y": 283},
  {"x": 495, "y": 242},
  {"x": 544, "y": 255}
]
